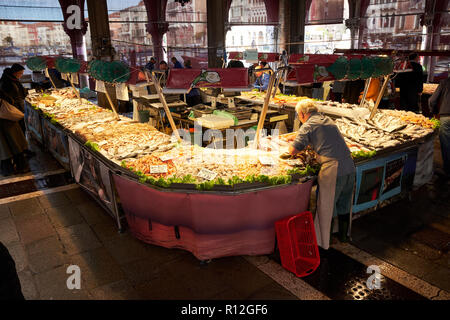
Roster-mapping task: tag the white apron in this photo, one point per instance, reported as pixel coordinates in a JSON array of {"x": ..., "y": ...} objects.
[{"x": 325, "y": 200}]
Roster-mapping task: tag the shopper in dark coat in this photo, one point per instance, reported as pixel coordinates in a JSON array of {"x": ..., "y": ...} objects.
[
  {"x": 10, "y": 84},
  {"x": 440, "y": 107},
  {"x": 411, "y": 85},
  {"x": 10, "y": 288},
  {"x": 12, "y": 145}
]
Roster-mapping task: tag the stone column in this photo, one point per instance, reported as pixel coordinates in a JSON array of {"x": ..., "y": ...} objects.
[
  {"x": 76, "y": 34},
  {"x": 216, "y": 15},
  {"x": 101, "y": 42},
  {"x": 157, "y": 26}
]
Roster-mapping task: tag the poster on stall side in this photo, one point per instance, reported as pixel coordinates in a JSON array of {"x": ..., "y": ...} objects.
[{"x": 91, "y": 173}]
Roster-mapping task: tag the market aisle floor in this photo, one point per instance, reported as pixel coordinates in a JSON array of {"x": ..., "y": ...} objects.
[{"x": 47, "y": 233}]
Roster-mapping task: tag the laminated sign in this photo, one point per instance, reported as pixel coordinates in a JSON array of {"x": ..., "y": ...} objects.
[
  {"x": 122, "y": 92},
  {"x": 207, "y": 174},
  {"x": 100, "y": 86},
  {"x": 74, "y": 78},
  {"x": 158, "y": 169}
]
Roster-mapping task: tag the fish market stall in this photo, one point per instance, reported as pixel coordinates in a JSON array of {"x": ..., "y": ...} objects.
[{"x": 169, "y": 191}]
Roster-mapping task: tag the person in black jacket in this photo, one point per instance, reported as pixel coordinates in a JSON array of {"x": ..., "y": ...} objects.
[
  {"x": 11, "y": 86},
  {"x": 411, "y": 85},
  {"x": 12, "y": 144},
  {"x": 439, "y": 104},
  {"x": 10, "y": 288}
]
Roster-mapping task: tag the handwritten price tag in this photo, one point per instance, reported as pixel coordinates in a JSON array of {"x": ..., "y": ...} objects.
[
  {"x": 166, "y": 157},
  {"x": 266, "y": 161},
  {"x": 207, "y": 174},
  {"x": 158, "y": 169}
]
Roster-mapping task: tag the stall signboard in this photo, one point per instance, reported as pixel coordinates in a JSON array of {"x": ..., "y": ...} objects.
[
  {"x": 262, "y": 56},
  {"x": 33, "y": 122},
  {"x": 393, "y": 174},
  {"x": 92, "y": 174},
  {"x": 56, "y": 142},
  {"x": 184, "y": 79},
  {"x": 383, "y": 178}
]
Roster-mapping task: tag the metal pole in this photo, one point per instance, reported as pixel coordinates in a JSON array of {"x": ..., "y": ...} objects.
[
  {"x": 165, "y": 106},
  {"x": 366, "y": 88},
  {"x": 111, "y": 103},
  {"x": 264, "y": 109},
  {"x": 380, "y": 95}
]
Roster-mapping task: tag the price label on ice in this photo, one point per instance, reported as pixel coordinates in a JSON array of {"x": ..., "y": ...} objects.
[
  {"x": 207, "y": 174},
  {"x": 167, "y": 157},
  {"x": 158, "y": 169},
  {"x": 267, "y": 161}
]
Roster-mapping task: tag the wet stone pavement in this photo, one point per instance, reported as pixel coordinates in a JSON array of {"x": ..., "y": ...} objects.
[{"x": 47, "y": 233}]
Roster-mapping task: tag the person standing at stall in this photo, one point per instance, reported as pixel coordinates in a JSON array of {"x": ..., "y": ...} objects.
[
  {"x": 337, "y": 174},
  {"x": 12, "y": 144},
  {"x": 176, "y": 63},
  {"x": 439, "y": 104},
  {"x": 411, "y": 85},
  {"x": 14, "y": 90},
  {"x": 151, "y": 64}
]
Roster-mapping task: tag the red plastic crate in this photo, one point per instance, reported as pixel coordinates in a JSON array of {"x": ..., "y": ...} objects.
[{"x": 298, "y": 244}]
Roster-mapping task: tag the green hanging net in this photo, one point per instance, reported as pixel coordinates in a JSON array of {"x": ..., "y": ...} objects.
[
  {"x": 67, "y": 65},
  {"x": 36, "y": 63},
  {"x": 367, "y": 68},
  {"x": 387, "y": 66},
  {"x": 339, "y": 68},
  {"x": 354, "y": 69},
  {"x": 378, "y": 66},
  {"x": 112, "y": 72}
]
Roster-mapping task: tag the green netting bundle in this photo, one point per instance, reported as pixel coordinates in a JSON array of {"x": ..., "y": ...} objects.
[
  {"x": 378, "y": 66},
  {"x": 36, "y": 63},
  {"x": 367, "y": 68},
  {"x": 339, "y": 68},
  {"x": 354, "y": 69},
  {"x": 113, "y": 72},
  {"x": 387, "y": 66},
  {"x": 67, "y": 65}
]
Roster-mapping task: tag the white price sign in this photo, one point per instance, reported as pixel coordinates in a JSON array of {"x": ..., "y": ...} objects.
[
  {"x": 166, "y": 157},
  {"x": 122, "y": 92},
  {"x": 158, "y": 169},
  {"x": 207, "y": 174},
  {"x": 32, "y": 91},
  {"x": 267, "y": 161},
  {"x": 100, "y": 86}
]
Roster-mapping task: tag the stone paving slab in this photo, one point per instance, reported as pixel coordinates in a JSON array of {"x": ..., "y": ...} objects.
[
  {"x": 54, "y": 200},
  {"x": 8, "y": 231},
  {"x": 28, "y": 286},
  {"x": 97, "y": 267},
  {"x": 46, "y": 254},
  {"x": 64, "y": 216},
  {"x": 120, "y": 290},
  {"x": 77, "y": 196},
  {"x": 78, "y": 238},
  {"x": 17, "y": 252},
  {"x": 126, "y": 249},
  {"x": 93, "y": 213},
  {"x": 25, "y": 208},
  {"x": 34, "y": 228},
  {"x": 4, "y": 211},
  {"x": 52, "y": 285}
]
